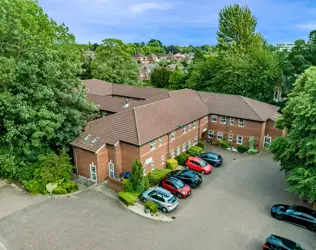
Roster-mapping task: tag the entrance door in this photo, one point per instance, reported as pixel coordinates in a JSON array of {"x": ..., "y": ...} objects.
[
  {"x": 111, "y": 170},
  {"x": 93, "y": 172},
  {"x": 267, "y": 141}
]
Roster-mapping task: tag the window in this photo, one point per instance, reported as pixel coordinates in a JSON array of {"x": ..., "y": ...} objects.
[
  {"x": 195, "y": 140},
  {"x": 152, "y": 166},
  {"x": 184, "y": 129},
  {"x": 184, "y": 147},
  {"x": 231, "y": 121},
  {"x": 219, "y": 135},
  {"x": 162, "y": 159},
  {"x": 194, "y": 124},
  {"x": 214, "y": 118},
  {"x": 160, "y": 141},
  {"x": 152, "y": 145},
  {"x": 173, "y": 135},
  {"x": 144, "y": 170},
  {"x": 230, "y": 138},
  {"x": 211, "y": 134},
  {"x": 239, "y": 139},
  {"x": 189, "y": 143},
  {"x": 111, "y": 170},
  {"x": 93, "y": 172},
  {"x": 206, "y": 118},
  {"x": 267, "y": 141},
  {"x": 178, "y": 150},
  {"x": 241, "y": 122},
  {"x": 172, "y": 153},
  {"x": 223, "y": 119},
  {"x": 190, "y": 126}
]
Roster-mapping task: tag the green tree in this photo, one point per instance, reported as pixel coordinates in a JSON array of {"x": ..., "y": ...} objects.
[
  {"x": 237, "y": 28},
  {"x": 137, "y": 176},
  {"x": 296, "y": 151},
  {"x": 160, "y": 77},
  {"x": 43, "y": 103},
  {"x": 113, "y": 62},
  {"x": 177, "y": 79}
]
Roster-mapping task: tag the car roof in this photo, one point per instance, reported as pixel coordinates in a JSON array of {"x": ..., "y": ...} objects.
[
  {"x": 211, "y": 153},
  {"x": 280, "y": 241},
  {"x": 194, "y": 158},
  {"x": 173, "y": 179},
  {"x": 163, "y": 191}
]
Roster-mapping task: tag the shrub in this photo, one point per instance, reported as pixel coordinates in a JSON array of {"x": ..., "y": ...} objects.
[
  {"x": 70, "y": 186},
  {"x": 195, "y": 150},
  {"x": 128, "y": 198},
  {"x": 146, "y": 183},
  {"x": 157, "y": 175},
  {"x": 252, "y": 142},
  {"x": 181, "y": 158},
  {"x": 128, "y": 186},
  {"x": 32, "y": 186},
  {"x": 242, "y": 149},
  {"x": 137, "y": 176},
  {"x": 224, "y": 144},
  {"x": 200, "y": 144},
  {"x": 252, "y": 151},
  {"x": 152, "y": 206},
  {"x": 171, "y": 164},
  {"x": 60, "y": 190}
]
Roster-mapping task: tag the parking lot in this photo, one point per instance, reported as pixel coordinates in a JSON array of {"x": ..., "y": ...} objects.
[{"x": 230, "y": 210}]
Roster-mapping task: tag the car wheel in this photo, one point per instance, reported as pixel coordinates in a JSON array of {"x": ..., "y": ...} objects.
[
  {"x": 278, "y": 216},
  {"x": 164, "y": 210},
  {"x": 202, "y": 172},
  {"x": 215, "y": 165},
  {"x": 187, "y": 167},
  {"x": 179, "y": 195},
  {"x": 144, "y": 200},
  {"x": 193, "y": 185}
]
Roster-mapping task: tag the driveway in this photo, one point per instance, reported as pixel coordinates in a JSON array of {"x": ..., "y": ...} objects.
[{"x": 231, "y": 210}]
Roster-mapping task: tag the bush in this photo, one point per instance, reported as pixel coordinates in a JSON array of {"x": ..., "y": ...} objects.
[
  {"x": 128, "y": 186},
  {"x": 181, "y": 158},
  {"x": 146, "y": 183},
  {"x": 60, "y": 190},
  {"x": 33, "y": 187},
  {"x": 200, "y": 144},
  {"x": 157, "y": 175},
  {"x": 137, "y": 176},
  {"x": 152, "y": 206},
  {"x": 171, "y": 164},
  {"x": 242, "y": 149},
  {"x": 195, "y": 150},
  {"x": 252, "y": 151},
  {"x": 69, "y": 186},
  {"x": 128, "y": 198},
  {"x": 224, "y": 144}
]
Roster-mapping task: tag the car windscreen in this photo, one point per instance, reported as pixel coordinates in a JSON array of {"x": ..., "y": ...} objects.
[
  {"x": 178, "y": 183},
  {"x": 203, "y": 163},
  {"x": 188, "y": 173},
  {"x": 172, "y": 200}
]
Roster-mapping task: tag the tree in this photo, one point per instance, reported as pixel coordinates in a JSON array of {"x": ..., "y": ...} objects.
[
  {"x": 160, "y": 77},
  {"x": 237, "y": 28},
  {"x": 114, "y": 62},
  {"x": 137, "y": 176},
  {"x": 177, "y": 79},
  {"x": 155, "y": 43},
  {"x": 43, "y": 103},
  {"x": 296, "y": 151}
]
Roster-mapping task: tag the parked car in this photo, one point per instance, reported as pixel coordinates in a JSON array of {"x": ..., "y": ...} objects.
[
  {"x": 166, "y": 201},
  {"x": 276, "y": 242},
  {"x": 299, "y": 215},
  {"x": 193, "y": 179},
  {"x": 198, "y": 165},
  {"x": 176, "y": 187},
  {"x": 212, "y": 158}
]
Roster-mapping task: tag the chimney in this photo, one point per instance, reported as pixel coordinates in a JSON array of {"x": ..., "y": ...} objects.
[{"x": 126, "y": 103}]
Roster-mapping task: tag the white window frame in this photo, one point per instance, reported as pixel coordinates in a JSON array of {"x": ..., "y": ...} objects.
[
  {"x": 152, "y": 165},
  {"x": 241, "y": 122},
  {"x": 162, "y": 159},
  {"x": 206, "y": 118},
  {"x": 184, "y": 129},
  {"x": 172, "y": 153},
  {"x": 189, "y": 143},
  {"x": 153, "y": 145},
  {"x": 190, "y": 126},
  {"x": 264, "y": 141},
  {"x": 145, "y": 170},
  {"x": 232, "y": 121},
  {"x": 160, "y": 141},
  {"x": 230, "y": 137},
  {"x": 184, "y": 147},
  {"x": 173, "y": 135},
  {"x": 93, "y": 174},
  {"x": 223, "y": 119},
  {"x": 238, "y": 141},
  {"x": 214, "y": 118},
  {"x": 212, "y": 134},
  {"x": 178, "y": 150},
  {"x": 218, "y": 134},
  {"x": 194, "y": 124},
  {"x": 195, "y": 140},
  {"x": 111, "y": 167}
]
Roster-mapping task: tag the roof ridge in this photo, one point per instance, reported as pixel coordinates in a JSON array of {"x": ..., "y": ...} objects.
[
  {"x": 242, "y": 97},
  {"x": 153, "y": 101},
  {"x": 134, "y": 112},
  {"x": 197, "y": 92}
]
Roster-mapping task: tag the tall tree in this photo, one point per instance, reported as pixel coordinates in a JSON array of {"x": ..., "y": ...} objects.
[
  {"x": 114, "y": 62},
  {"x": 43, "y": 103},
  {"x": 177, "y": 79},
  {"x": 160, "y": 77},
  {"x": 237, "y": 28},
  {"x": 296, "y": 151}
]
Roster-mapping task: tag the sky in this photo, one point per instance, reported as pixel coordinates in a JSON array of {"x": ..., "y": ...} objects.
[{"x": 180, "y": 22}]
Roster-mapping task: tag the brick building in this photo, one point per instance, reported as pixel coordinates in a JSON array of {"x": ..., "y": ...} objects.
[{"x": 157, "y": 124}]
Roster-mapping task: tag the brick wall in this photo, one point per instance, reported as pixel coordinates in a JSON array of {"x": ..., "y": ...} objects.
[
  {"x": 102, "y": 164},
  {"x": 83, "y": 159},
  {"x": 272, "y": 131},
  {"x": 116, "y": 185},
  {"x": 129, "y": 153}
]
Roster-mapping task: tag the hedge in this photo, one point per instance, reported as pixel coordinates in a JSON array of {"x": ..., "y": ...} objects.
[
  {"x": 146, "y": 183},
  {"x": 171, "y": 164},
  {"x": 242, "y": 149},
  {"x": 252, "y": 151},
  {"x": 157, "y": 175},
  {"x": 128, "y": 198},
  {"x": 152, "y": 206},
  {"x": 200, "y": 144},
  {"x": 224, "y": 144},
  {"x": 195, "y": 150},
  {"x": 128, "y": 186}
]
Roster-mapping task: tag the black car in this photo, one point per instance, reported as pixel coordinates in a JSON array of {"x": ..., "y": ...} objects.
[
  {"x": 299, "y": 215},
  {"x": 212, "y": 158},
  {"x": 189, "y": 177},
  {"x": 280, "y": 243}
]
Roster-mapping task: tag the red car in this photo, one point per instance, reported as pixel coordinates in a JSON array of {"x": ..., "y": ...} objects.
[
  {"x": 199, "y": 165},
  {"x": 176, "y": 187}
]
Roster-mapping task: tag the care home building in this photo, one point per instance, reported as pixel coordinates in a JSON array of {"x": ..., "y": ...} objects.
[{"x": 153, "y": 125}]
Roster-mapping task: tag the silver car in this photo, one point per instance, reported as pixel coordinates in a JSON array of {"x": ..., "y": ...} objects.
[{"x": 166, "y": 201}]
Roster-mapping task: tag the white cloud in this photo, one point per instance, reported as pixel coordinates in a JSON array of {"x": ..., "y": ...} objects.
[
  {"x": 142, "y": 7},
  {"x": 307, "y": 26}
]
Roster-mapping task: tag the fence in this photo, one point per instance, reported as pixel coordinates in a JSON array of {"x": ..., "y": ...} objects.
[{"x": 115, "y": 184}]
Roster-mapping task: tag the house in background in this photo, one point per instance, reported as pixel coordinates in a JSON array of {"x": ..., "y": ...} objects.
[{"x": 154, "y": 124}]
